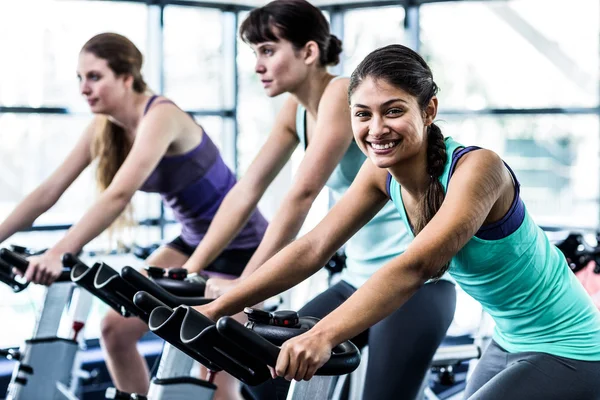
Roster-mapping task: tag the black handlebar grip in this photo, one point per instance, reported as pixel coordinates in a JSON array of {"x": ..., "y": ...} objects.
[
  {"x": 142, "y": 283},
  {"x": 146, "y": 302},
  {"x": 345, "y": 357},
  {"x": 15, "y": 260},
  {"x": 70, "y": 260}
]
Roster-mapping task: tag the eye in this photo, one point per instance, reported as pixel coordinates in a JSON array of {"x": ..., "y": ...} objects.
[
  {"x": 94, "y": 77},
  {"x": 267, "y": 51},
  {"x": 362, "y": 114},
  {"x": 394, "y": 112}
]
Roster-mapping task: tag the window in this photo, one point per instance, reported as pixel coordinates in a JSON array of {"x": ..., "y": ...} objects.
[
  {"x": 193, "y": 57},
  {"x": 555, "y": 158},
  {"x": 508, "y": 54},
  {"x": 43, "y": 52},
  {"x": 368, "y": 29}
]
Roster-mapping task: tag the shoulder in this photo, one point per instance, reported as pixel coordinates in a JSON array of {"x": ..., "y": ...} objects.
[
  {"x": 336, "y": 91},
  {"x": 163, "y": 106},
  {"x": 378, "y": 177},
  {"x": 483, "y": 160}
]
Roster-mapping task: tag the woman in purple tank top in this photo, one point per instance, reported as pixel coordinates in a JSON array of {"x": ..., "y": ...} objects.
[{"x": 140, "y": 142}]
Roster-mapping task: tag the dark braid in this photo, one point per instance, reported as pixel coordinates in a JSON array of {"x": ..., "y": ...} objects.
[
  {"x": 436, "y": 160},
  {"x": 403, "y": 68},
  {"x": 433, "y": 198}
]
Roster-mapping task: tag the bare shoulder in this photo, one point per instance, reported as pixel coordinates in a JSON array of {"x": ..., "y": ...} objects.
[
  {"x": 375, "y": 176},
  {"x": 481, "y": 161},
  {"x": 163, "y": 107},
  {"x": 336, "y": 91}
]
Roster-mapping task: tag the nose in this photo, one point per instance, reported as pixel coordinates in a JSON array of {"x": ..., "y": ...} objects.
[
  {"x": 378, "y": 127},
  {"x": 84, "y": 88},
  {"x": 259, "y": 67}
]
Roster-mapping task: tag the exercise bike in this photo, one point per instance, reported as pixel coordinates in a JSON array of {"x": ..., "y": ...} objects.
[{"x": 47, "y": 363}]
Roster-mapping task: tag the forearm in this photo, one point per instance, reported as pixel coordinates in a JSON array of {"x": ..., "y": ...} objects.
[
  {"x": 386, "y": 291},
  {"x": 24, "y": 215},
  {"x": 99, "y": 217},
  {"x": 286, "y": 269},
  {"x": 281, "y": 231},
  {"x": 232, "y": 216}
]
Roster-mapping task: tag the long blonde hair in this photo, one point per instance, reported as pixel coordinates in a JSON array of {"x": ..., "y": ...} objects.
[{"x": 111, "y": 145}]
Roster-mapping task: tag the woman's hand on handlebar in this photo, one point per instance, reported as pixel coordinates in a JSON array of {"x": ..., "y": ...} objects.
[
  {"x": 302, "y": 356},
  {"x": 44, "y": 269},
  {"x": 216, "y": 287},
  {"x": 206, "y": 310}
]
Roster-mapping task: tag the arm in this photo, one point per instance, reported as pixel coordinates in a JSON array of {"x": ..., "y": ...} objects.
[
  {"x": 307, "y": 255},
  {"x": 330, "y": 141},
  {"x": 476, "y": 186},
  {"x": 241, "y": 201},
  {"x": 156, "y": 132},
  {"x": 48, "y": 193}
]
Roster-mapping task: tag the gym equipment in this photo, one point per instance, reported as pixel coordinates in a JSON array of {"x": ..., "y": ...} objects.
[
  {"x": 34, "y": 373},
  {"x": 173, "y": 380},
  {"x": 245, "y": 351}
]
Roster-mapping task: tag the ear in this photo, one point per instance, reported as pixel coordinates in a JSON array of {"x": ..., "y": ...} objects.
[
  {"x": 431, "y": 111},
  {"x": 128, "y": 81},
  {"x": 310, "y": 52}
]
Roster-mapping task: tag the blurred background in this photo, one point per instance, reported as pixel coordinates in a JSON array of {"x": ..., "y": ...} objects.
[{"x": 519, "y": 77}]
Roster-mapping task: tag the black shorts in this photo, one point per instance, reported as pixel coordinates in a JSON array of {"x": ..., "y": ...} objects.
[{"x": 229, "y": 262}]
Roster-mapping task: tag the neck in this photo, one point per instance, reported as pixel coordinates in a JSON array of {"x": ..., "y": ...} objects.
[
  {"x": 129, "y": 115},
  {"x": 310, "y": 91},
  {"x": 411, "y": 173}
]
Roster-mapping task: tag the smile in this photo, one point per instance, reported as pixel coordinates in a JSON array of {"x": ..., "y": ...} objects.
[{"x": 384, "y": 146}]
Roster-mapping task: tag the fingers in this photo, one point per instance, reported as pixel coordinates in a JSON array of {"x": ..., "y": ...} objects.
[
  {"x": 282, "y": 366},
  {"x": 301, "y": 357},
  {"x": 301, "y": 371},
  {"x": 293, "y": 362},
  {"x": 31, "y": 272},
  {"x": 41, "y": 273}
]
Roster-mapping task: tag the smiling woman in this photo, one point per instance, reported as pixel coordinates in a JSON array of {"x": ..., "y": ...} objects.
[
  {"x": 461, "y": 207},
  {"x": 292, "y": 58}
]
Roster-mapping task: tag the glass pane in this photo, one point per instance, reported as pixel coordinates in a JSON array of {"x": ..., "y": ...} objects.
[
  {"x": 33, "y": 146},
  {"x": 43, "y": 51},
  {"x": 555, "y": 158},
  {"x": 193, "y": 57},
  {"x": 512, "y": 55},
  {"x": 368, "y": 29}
]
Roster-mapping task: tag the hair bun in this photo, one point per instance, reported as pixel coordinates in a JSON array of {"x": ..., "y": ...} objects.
[{"x": 334, "y": 48}]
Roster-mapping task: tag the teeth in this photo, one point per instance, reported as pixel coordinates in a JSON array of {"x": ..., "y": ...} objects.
[{"x": 383, "y": 146}]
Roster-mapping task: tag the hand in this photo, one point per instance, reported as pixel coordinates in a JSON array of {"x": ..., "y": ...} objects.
[
  {"x": 44, "y": 269},
  {"x": 302, "y": 356},
  {"x": 216, "y": 287},
  {"x": 207, "y": 311}
]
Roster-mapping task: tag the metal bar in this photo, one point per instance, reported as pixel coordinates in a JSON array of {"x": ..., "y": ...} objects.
[
  {"x": 63, "y": 227},
  {"x": 524, "y": 111}
]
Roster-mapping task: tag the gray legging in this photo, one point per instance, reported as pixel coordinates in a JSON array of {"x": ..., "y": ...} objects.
[
  {"x": 401, "y": 346},
  {"x": 532, "y": 375}
]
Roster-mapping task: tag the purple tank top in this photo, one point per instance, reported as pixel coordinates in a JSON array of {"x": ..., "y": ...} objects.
[{"x": 194, "y": 185}]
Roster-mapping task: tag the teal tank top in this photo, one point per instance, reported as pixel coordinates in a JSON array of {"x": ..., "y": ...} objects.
[
  {"x": 524, "y": 283},
  {"x": 380, "y": 240}
]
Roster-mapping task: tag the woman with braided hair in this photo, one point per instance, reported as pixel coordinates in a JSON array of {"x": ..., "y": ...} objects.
[
  {"x": 293, "y": 47},
  {"x": 463, "y": 208}
]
